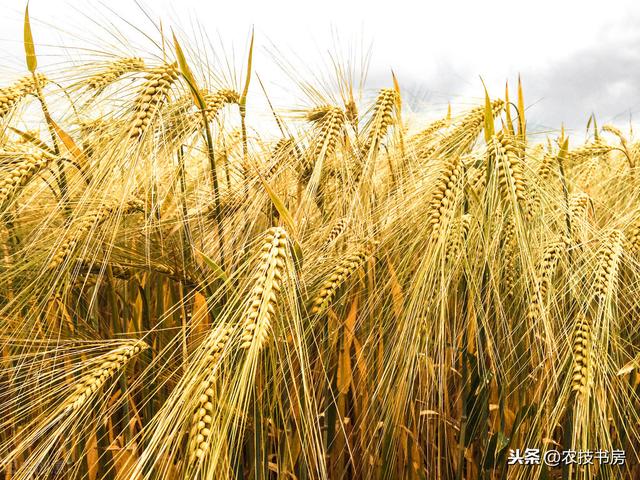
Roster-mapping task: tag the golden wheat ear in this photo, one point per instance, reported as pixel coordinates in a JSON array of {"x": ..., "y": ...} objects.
[
  {"x": 347, "y": 267},
  {"x": 441, "y": 207},
  {"x": 268, "y": 284},
  {"x": 12, "y": 95},
  {"x": 200, "y": 436},
  {"x": 113, "y": 72},
  {"x": 381, "y": 120},
  {"x": 152, "y": 95},
  {"x": 85, "y": 224},
  {"x": 22, "y": 172},
  {"x": 94, "y": 380}
]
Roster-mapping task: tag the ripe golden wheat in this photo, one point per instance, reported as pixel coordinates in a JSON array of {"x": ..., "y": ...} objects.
[{"x": 192, "y": 287}]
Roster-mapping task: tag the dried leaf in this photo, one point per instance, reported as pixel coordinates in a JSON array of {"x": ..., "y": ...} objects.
[
  {"x": 522, "y": 123},
  {"x": 75, "y": 151},
  {"x": 243, "y": 98},
  {"x": 29, "y": 47},
  {"x": 188, "y": 75},
  {"x": 215, "y": 268},
  {"x": 489, "y": 128},
  {"x": 629, "y": 367}
]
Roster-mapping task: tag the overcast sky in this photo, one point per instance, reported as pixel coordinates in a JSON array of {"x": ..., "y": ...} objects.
[{"x": 574, "y": 57}]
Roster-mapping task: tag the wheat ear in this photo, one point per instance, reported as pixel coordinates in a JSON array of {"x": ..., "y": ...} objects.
[
  {"x": 347, "y": 267},
  {"x": 583, "y": 357},
  {"x": 457, "y": 237},
  {"x": 21, "y": 174},
  {"x": 382, "y": 118},
  {"x": 609, "y": 255},
  {"x": 88, "y": 385},
  {"x": 510, "y": 173},
  {"x": 113, "y": 72},
  {"x": 337, "y": 230},
  {"x": 10, "y": 96},
  {"x": 443, "y": 198},
  {"x": 547, "y": 266},
  {"x": 215, "y": 101},
  {"x": 330, "y": 125},
  {"x": 154, "y": 92},
  {"x": 85, "y": 224},
  {"x": 269, "y": 281},
  {"x": 200, "y": 436}
]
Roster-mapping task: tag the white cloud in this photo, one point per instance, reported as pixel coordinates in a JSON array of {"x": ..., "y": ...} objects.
[{"x": 568, "y": 52}]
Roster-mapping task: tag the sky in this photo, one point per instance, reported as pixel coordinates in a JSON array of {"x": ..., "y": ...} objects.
[{"x": 574, "y": 57}]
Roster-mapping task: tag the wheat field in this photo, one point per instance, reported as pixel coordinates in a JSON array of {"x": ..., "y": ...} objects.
[{"x": 185, "y": 294}]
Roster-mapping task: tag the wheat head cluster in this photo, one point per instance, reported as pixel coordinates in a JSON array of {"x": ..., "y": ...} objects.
[{"x": 348, "y": 293}]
